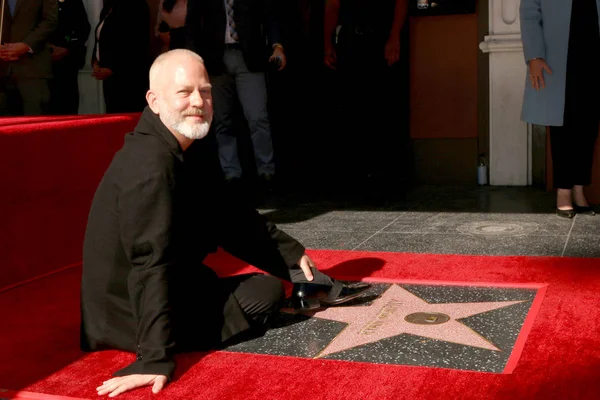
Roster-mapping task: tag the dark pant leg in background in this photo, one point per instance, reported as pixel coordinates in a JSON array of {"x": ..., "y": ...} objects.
[
  {"x": 24, "y": 96},
  {"x": 64, "y": 90},
  {"x": 573, "y": 143},
  {"x": 373, "y": 104}
]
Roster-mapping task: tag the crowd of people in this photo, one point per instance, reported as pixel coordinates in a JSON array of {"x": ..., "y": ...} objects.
[{"x": 44, "y": 47}]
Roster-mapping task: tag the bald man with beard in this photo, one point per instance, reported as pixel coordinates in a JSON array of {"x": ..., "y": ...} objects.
[{"x": 159, "y": 210}]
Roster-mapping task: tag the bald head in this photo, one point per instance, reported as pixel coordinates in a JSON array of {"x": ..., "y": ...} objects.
[
  {"x": 180, "y": 94},
  {"x": 164, "y": 66}
]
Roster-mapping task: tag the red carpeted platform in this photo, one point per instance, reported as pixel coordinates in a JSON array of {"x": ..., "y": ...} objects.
[
  {"x": 50, "y": 169},
  {"x": 560, "y": 358}
]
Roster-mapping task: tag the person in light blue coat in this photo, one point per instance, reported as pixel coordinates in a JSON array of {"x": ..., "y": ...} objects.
[{"x": 561, "y": 43}]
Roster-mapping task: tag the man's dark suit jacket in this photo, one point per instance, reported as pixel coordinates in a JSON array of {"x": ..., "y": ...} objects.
[
  {"x": 72, "y": 32},
  {"x": 32, "y": 23},
  {"x": 257, "y": 24},
  {"x": 124, "y": 49},
  {"x": 156, "y": 214}
]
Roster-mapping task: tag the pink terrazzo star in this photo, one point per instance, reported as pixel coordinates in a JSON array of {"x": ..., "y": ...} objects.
[{"x": 385, "y": 318}]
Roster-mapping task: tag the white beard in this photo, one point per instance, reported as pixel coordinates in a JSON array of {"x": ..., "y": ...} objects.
[
  {"x": 178, "y": 123},
  {"x": 196, "y": 131}
]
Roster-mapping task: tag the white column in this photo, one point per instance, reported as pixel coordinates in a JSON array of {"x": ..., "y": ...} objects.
[
  {"x": 91, "y": 98},
  {"x": 510, "y": 138}
]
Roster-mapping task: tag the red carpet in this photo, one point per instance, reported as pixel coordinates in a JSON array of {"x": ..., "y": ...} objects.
[{"x": 560, "y": 358}]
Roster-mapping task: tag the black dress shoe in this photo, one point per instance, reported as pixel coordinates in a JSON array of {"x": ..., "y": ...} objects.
[
  {"x": 565, "y": 213},
  {"x": 267, "y": 183},
  {"x": 310, "y": 296},
  {"x": 585, "y": 210}
]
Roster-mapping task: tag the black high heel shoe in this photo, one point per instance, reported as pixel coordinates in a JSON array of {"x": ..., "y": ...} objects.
[
  {"x": 585, "y": 210},
  {"x": 565, "y": 213}
]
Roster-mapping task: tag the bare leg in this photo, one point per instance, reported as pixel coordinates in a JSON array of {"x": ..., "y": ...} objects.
[
  {"x": 563, "y": 199},
  {"x": 579, "y": 196}
]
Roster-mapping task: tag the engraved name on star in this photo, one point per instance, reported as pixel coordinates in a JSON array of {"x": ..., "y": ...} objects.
[{"x": 386, "y": 317}]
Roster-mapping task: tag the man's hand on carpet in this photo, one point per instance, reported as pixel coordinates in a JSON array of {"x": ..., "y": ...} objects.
[
  {"x": 115, "y": 386},
  {"x": 305, "y": 264}
]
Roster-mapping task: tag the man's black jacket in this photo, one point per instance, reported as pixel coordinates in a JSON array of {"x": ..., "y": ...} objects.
[{"x": 156, "y": 214}]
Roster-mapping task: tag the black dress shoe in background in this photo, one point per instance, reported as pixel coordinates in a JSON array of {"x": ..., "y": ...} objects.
[
  {"x": 267, "y": 183},
  {"x": 585, "y": 210},
  {"x": 234, "y": 184},
  {"x": 310, "y": 296}
]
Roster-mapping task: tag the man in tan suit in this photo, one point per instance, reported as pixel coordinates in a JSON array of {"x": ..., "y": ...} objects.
[{"x": 25, "y": 63}]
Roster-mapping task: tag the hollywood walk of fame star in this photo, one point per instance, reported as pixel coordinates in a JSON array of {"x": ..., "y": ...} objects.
[{"x": 386, "y": 317}]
